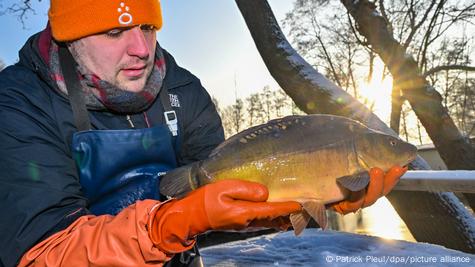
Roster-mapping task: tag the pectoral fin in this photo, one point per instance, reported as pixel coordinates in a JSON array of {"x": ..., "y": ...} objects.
[
  {"x": 354, "y": 182},
  {"x": 311, "y": 209}
]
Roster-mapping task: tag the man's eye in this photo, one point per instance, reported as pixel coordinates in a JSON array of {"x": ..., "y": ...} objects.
[
  {"x": 147, "y": 28},
  {"x": 114, "y": 33}
]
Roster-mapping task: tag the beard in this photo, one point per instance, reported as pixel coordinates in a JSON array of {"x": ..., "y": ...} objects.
[{"x": 89, "y": 64}]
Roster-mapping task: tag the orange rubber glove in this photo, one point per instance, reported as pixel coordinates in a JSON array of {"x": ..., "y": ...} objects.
[
  {"x": 224, "y": 205},
  {"x": 380, "y": 184}
]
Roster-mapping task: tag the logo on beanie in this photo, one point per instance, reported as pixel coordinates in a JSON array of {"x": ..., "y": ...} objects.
[{"x": 125, "y": 18}]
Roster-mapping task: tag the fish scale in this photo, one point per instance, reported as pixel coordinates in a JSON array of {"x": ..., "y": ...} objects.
[{"x": 312, "y": 159}]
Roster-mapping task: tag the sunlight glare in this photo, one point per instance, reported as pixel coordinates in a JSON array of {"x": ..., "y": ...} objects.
[
  {"x": 378, "y": 91},
  {"x": 382, "y": 220}
]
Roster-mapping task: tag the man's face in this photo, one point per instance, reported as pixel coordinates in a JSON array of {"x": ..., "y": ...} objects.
[{"x": 122, "y": 57}]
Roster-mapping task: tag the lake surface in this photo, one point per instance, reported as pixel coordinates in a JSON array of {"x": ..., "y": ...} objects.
[{"x": 380, "y": 219}]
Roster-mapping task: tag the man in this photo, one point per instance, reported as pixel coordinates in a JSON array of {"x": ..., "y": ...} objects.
[{"x": 92, "y": 115}]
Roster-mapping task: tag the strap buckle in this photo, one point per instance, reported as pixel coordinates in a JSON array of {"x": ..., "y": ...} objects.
[{"x": 172, "y": 121}]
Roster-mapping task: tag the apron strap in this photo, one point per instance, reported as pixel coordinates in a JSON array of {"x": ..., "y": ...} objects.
[{"x": 76, "y": 97}]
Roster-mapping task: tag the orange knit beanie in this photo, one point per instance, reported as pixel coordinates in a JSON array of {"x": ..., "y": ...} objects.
[{"x": 74, "y": 19}]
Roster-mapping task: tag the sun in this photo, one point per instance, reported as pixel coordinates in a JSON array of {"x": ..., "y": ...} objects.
[{"x": 377, "y": 91}]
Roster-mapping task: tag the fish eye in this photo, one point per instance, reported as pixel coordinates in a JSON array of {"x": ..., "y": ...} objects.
[{"x": 392, "y": 142}]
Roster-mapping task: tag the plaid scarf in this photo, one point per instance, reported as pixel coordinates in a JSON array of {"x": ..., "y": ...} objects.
[{"x": 102, "y": 95}]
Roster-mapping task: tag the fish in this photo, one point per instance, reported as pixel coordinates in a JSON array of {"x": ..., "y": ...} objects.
[{"x": 313, "y": 159}]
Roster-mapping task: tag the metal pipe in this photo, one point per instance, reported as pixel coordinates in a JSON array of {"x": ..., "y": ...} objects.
[{"x": 438, "y": 181}]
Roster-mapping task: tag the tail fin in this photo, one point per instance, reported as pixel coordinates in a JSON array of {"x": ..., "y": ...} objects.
[{"x": 178, "y": 182}]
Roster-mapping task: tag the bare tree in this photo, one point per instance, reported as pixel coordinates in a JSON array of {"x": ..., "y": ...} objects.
[
  {"x": 279, "y": 99},
  {"x": 2, "y": 65},
  {"x": 418, "y": 25},
  {"x": 266, "y": 97},
  {"x": 453, "y": 75},
  {"x": 19, "y": 8},
  {"x": 253, "y": 112},
  {"x": 422, "y": 28},
  {"x": 454, "y": 148},
  {"x": 329, "y": 46},
  {"x": 254, "y": 108},
  {"x": 430, "y": 217},
  {"x": 234, "y": 118}
]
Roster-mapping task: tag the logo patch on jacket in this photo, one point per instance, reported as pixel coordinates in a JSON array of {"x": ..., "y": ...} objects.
[{"x": 174, "y": 102}]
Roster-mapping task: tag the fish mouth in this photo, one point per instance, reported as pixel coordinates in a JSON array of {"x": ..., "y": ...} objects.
[{"x": 410, "y": 159}]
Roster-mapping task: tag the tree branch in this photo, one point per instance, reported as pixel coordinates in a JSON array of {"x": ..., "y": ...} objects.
[
  {"x": 382, "y": 9},
  {"x": 324, "y": 49},
  {"x": 416, "y": 27},
  {"x": 20, "y": 9},
  {"x": 448, "y": 67}
]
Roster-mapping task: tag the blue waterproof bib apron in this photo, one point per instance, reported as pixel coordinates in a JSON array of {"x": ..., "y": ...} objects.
[{"x": 119, "y": 167}]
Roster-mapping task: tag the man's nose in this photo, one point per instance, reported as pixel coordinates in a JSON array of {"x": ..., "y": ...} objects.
[{"x": 137, "y": 45}]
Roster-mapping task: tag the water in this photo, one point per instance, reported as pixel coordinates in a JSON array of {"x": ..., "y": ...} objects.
[{"x": 380, "y": 219}]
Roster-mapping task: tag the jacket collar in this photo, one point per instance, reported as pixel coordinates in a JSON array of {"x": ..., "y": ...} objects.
[{"x": 175, "y": 76}]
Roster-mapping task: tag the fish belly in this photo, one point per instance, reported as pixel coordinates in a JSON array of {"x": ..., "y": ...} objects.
[{"x": 298, "y": 176}]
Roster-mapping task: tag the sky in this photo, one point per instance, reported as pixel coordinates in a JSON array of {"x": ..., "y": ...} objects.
[{"x": 207, "y": 37}]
